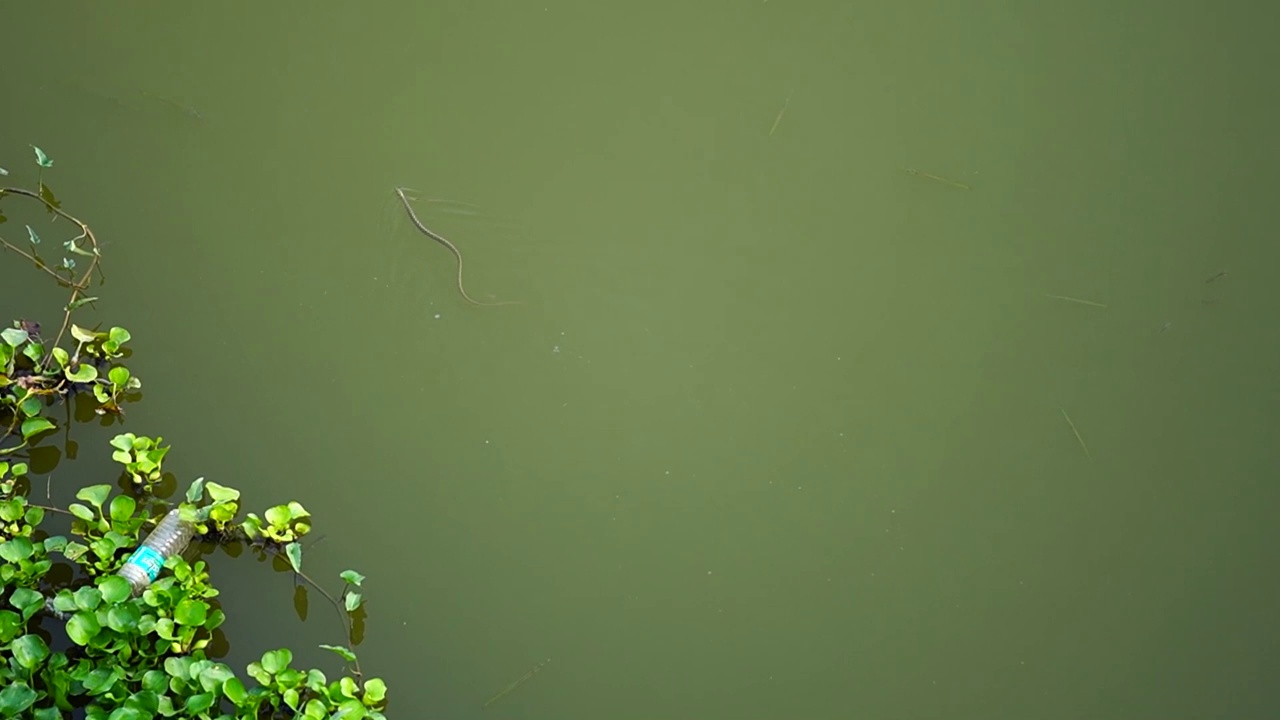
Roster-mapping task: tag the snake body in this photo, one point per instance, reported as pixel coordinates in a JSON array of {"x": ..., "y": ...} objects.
[{"x": 452, "y": 248}]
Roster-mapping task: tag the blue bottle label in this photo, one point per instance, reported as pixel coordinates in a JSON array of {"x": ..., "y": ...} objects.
[{"x": 148, "y": 560}]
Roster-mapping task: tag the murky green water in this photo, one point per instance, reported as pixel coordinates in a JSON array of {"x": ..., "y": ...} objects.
[{"x": 778, "y": 430}]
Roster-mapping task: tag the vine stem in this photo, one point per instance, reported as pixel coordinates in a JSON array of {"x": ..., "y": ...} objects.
[
  {"x": 79, "y": 286},
  {"x": 343, "y": 616}
]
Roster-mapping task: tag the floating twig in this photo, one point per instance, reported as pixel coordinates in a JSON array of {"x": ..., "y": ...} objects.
[
  {"x": 518, "y": 682},
  {"x": 935, "y": 178},
  {"x": 1090, "y": 303},
  {"x": 781, "y": 112},
  {"x": 1077, "y": 434}
]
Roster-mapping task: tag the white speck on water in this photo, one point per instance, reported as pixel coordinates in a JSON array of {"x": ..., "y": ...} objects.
[
  {"x": 555, "y": 349},
  {"x": 437, "y": 316}
]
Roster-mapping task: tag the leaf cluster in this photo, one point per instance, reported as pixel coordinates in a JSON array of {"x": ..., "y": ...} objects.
[{"x": 75, "y": 636}]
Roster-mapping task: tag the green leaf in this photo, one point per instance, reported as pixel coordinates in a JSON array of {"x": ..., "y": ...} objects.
[
  {"x": 255, "y": 671},
  {"x": 114, "y": 589},
  {"x": 41, "y": 159},
  {"x": 179, "y": 667},
  {"x": 33, "y": 350},
  {"x": 10, "y": 625},
  {"x": 200, "y": 703},
  {"x": 216, "y": 618},
  {"x": 233, "y": 688},
  {"x": 46, "y": 194},
  {"x": 95, "y": 495},
  {"x": 118, "y": 375},
  {"x": 87, "y": 598},
  {"x": 351, "y": 710},
  {"x": 74, "y": 550},
  {"x": 32, "y": 406},
  {"x": 122, "y": 507},
  {"x": 191, "y": 612},
  {"x": 14, "y": 337},
  {"x": 81, "y": 512},
  {"x": 195, "y": 490},
  {"x": 123, "y": 441},
  {"x": 342, "y": 651},
  {"x": 294, "y": 552},
  {"x": 83, "y": 335},
  {"x": 15, "y": 549},
  {"x": 71, "y": 246},
  {"x": 352, "y": 577},
  {"x": 99, "y": 680},
  {"x": 124, "y": 618},
  {"x": 221, "y": 493},
  {"x": 291, "y": 697},
  {"x": 84, "y": 373},
  {"x": 30, "y": 651},
  {"x": 214, "y": 677},
  {"x": 155, "y": 681},
  {"x": 83, "y": 627},
  {"x": 15, "y": 699},
  {"x": 34, "y": 426},
  {"x": 119, "y": 335},
  {"x": 145, "y": 704},
  {"x": 275, "y": 661},
  {"x": 278, "y": 516},
  {"x": 27, "y": 601},
  {"x": 351, "y": 601},
  {"x": 32, "y": 236},
  {"x": 165, "y": 628},
  {"x": 223, "y": 512},
  {"x": 61, "y": 356},
  {"x": 80, "y": 302},
  {"x": 375, "y": 691}
]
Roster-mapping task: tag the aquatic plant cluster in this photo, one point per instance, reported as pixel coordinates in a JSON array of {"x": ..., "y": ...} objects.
[{"x": 73, "y": 636}]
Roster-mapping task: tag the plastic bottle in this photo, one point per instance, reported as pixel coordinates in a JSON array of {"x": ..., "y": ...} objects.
[{"x": 169, "y": 538}]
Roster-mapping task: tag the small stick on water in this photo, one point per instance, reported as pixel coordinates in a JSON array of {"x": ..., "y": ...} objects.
[
  {"x": 1090, "y": 303},
  {"x": 1218, "y": 275},
  {"x": 1077, "y": 433},
  {"x": 519, "y": 681},
  {"x": 781, "y": 112},
  {"x": 935, "y": 178}
]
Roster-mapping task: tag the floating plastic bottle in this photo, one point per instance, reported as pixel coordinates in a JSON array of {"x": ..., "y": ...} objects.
[{"x": 169, "y": 538}]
